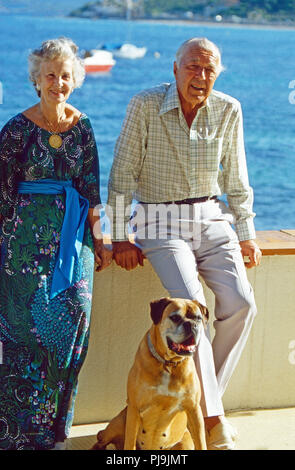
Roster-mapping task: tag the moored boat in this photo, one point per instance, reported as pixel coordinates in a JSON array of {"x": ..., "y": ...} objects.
[
  {"x": 98, "y": 60},
  {"x": 125, "y": 51}
]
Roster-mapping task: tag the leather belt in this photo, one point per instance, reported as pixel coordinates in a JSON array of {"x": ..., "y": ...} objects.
[{"x": 193, "y": 200}]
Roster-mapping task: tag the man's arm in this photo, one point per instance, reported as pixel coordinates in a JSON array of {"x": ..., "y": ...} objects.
[
  {"x": 129, "y": 154},
  {"x": 235, "y": 178},
  {"x": 239, "y": 193}
]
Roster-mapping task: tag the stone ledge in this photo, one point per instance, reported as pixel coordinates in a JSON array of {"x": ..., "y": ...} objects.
[
  {"x": 276, "y": 242},
  {"x": 271, "y": 242}
]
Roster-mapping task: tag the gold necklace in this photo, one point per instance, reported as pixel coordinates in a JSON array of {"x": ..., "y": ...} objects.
[{"x": 55, "y": 140}]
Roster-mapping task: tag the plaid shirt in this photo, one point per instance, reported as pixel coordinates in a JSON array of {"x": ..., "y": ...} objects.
[{"x": 159, "y": 158}]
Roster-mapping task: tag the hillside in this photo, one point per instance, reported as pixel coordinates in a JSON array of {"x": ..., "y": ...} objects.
[
  {"x": 237, "y": 11},
  {"x": 39, "y": 7}
]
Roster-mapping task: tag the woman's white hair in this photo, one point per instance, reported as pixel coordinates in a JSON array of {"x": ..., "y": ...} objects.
[
  {"x": 201, "y": 43},
  {"x": 61, "y": 48}
]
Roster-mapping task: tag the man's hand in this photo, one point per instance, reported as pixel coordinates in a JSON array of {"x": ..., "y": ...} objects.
[
  {"x": 250, "y": 248},
  {"x": 127, "y": 255},
  {"x": 103, "y": 256}
]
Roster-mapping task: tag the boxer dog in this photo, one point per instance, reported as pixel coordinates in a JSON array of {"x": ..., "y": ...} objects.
[{"x": 163, "y": 390}]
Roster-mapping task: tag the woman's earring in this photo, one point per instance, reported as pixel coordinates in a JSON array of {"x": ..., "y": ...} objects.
[{"x": 38, "y": 87}]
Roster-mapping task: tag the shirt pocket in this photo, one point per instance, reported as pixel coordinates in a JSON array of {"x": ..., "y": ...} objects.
[{"x": 209, "y": 153}]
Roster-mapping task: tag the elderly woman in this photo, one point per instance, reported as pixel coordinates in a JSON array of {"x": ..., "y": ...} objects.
[{"x": 49, "y": 233}]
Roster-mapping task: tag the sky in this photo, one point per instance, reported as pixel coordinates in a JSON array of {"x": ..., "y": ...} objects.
[{"x": 40, "y": 7}]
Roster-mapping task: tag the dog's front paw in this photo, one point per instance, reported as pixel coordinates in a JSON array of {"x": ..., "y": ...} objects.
[{"x": 100, "y": 444}]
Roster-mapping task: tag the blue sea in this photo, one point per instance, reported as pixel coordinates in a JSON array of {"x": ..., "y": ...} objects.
[{"x": 260, "y": 70}]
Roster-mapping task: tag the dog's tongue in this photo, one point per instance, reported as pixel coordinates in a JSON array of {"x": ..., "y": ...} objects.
[{"x": 188, "y": 345}]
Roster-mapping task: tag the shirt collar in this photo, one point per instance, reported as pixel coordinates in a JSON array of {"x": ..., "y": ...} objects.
[{"x": 171, "y": 100}]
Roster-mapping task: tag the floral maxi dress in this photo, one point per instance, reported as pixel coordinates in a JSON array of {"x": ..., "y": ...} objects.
[{"x": 43, "y": 342}]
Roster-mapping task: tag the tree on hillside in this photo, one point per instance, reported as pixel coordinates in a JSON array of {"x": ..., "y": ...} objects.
[
  {"x": 269, "y": 6},
  {"x": 240, "y": 8},
  {"x": 173, "y": 6}
]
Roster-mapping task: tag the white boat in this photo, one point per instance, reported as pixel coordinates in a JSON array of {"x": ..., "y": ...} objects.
[
  {"x": 129, "y": 51},
  {"x": 98, "y": 60}
]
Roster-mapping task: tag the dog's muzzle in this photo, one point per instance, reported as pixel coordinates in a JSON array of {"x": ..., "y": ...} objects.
[{"x": 189, "y": 345}]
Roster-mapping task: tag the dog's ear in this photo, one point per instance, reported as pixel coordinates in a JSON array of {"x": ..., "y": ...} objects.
[
  {"x": 157, "y": 309},
  {"x": 205, "y": 313},
  {"x": 204, "y": 310}
]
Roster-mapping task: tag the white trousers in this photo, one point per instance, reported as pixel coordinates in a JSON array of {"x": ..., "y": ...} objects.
[{"x": 200, "y": 241}]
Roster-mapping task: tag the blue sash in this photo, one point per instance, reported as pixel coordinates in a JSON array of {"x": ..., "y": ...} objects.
[{"x": 72, "y": 229}]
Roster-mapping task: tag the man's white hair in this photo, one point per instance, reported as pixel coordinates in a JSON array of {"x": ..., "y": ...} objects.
[{"x": 201, "y": 43}]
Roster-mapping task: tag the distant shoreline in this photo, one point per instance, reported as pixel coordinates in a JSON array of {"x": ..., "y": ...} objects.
[
  {"x": 184, "y": 22},
  {"x": 180, "y": 21},
  {"x": 223, "y": 24}
]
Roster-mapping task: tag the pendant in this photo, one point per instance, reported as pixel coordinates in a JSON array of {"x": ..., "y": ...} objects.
[{"x": 55, "y": 141}]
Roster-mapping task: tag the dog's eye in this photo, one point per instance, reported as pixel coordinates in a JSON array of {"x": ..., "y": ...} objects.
[{"x": 176, "y": 318}]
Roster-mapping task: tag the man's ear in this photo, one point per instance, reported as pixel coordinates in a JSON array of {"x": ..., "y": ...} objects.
[
  {"x": 174, "y": 69},
  {"x": 157, "y": 309}
]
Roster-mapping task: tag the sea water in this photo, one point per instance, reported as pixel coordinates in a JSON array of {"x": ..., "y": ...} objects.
[{"x": 260, "y": 73}]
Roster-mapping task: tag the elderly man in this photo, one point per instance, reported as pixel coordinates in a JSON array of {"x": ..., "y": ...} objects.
[{"x": 181, "y": 146}]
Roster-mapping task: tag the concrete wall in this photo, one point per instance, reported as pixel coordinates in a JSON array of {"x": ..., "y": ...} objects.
[{"x": 265, "y": 376}]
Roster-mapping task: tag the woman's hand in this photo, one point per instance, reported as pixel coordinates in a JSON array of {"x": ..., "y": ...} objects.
[{"x": 103, "y": 255}]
